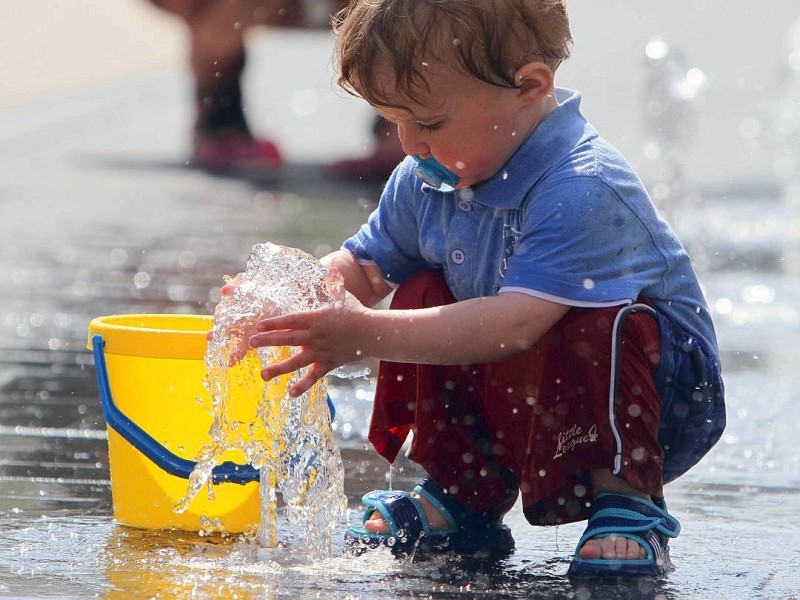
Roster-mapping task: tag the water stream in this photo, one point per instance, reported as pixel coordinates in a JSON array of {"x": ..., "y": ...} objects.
[{"x": 288, "y": 439}]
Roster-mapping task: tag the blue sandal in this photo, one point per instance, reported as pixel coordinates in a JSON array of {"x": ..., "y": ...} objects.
[
  {"x": 630, "y": 517},
  {"x": 410, "y": 532}
]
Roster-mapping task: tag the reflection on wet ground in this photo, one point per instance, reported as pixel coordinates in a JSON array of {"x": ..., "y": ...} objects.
[{"x": 94, "y": 233}]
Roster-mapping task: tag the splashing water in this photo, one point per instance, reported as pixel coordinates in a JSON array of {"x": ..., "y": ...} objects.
[{"x": 288, "y": 439}]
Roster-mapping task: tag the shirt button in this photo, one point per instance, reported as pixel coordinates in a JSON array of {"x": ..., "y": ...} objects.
[
  {"x": 458, "y": 256},
  {"x": 465, "y": 205}
]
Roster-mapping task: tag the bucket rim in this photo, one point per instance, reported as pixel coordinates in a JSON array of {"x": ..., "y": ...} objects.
[{"x": 145, "y": 335}]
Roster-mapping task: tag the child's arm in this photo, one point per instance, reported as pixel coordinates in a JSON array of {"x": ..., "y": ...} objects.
[
  {"x": 468, "y": 332},
  {"x": 363, "y": 281}
]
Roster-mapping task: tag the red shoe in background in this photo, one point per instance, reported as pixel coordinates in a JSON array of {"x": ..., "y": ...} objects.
[{"x": 237, "y": 152}]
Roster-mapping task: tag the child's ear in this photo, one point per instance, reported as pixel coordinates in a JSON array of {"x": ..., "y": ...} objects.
[{"x": 534, "y": 80}]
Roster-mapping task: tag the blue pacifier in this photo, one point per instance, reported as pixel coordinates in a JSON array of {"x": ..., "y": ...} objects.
[{"x": 436, "y": 174}]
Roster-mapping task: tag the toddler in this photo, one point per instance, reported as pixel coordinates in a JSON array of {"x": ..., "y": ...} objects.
[{"x": 547, "y": 337}]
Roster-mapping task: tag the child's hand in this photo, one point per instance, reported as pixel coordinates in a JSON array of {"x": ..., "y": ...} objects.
[
  {"x": 327, "y": 338},
  {"x": 226, "y": 291},
  {"x": 238, "y": 326}
]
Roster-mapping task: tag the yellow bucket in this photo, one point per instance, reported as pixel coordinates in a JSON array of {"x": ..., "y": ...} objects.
[{"x": 150, "y": 374}]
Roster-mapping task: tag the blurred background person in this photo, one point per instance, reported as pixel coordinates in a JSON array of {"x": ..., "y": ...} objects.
[{"x": 222, "y": 139}]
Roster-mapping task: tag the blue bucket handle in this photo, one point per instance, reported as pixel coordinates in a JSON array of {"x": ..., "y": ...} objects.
[
  {"x": 149, "y": 446},
  {"x": 137, "y": 437}
]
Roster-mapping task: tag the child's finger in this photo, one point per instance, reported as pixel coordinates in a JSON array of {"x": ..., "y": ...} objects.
[
  {"x": 230, "y": 284},
  {"x": 238, "y": 353},
  {"x": 306, "y": 382},
  {"x": 290, "y": 321},
  {"x": 293, "y": 337},
  {"x": 284, "y": 367}
]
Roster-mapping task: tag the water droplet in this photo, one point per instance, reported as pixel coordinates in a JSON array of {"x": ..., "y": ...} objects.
[
  {"x": 304, "y": 103},
  {"x": 656, "y": 48},
  {"x": 724, "y": 306},
  {"x": 141, "y": 280},
  {"x": 750, "y": 128}
]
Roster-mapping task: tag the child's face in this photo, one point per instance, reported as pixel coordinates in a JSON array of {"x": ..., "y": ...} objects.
[{"x": 469, "y": 126}]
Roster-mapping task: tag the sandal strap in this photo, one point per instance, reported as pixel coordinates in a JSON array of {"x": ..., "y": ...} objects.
[
  {"x": 470, "y": 528},
  {"x": 620, "y": 514},
  {"x": 403, "y": 514},
  {"x": 452, "y": 512}
]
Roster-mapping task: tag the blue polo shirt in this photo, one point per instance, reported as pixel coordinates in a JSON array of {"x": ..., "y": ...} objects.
[{"x": 565, "y": 219}]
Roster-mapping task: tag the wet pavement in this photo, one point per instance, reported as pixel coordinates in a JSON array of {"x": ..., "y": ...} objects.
[{"x": 101, "y": 216}]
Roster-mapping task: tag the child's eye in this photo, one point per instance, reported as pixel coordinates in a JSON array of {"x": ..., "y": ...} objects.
[{"x": 428, "y": 126}]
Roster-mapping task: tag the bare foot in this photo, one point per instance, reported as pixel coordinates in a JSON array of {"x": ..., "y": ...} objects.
[
  {"x": 612, "y": 547},
  {"x": 376, "y": 523}
]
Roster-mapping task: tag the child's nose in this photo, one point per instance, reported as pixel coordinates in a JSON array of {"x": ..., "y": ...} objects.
[{"x": 411, "y": 140}]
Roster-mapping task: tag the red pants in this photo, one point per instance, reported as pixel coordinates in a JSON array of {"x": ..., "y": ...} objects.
[{"x": 535, "y": 424}]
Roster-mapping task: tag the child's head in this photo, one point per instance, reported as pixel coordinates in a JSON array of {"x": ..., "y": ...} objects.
[
  {"x": 488, "y": 39},
  {"x": 466, "y": 81}
]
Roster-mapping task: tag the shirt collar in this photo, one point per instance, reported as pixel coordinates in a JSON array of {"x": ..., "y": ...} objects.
[{"x": 557, "y": 134}]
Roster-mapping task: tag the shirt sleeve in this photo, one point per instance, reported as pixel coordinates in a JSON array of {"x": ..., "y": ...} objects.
[{"x": 390, "y": 237}]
